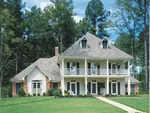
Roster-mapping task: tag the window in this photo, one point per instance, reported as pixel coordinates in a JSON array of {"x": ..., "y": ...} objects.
[
  {"x": 105, "y": 44},
  {"x": 84, "y": 43},
  {"x": 18, "y": 86},
  {"x": 126, "y": 65},
  {"x": 55, "y": 85}
]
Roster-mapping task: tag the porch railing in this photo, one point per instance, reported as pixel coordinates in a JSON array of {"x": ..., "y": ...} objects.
[{"x": 81, "y": 71}]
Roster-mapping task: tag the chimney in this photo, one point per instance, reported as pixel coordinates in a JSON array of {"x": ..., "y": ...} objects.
[{"x": 56, "y": 51}]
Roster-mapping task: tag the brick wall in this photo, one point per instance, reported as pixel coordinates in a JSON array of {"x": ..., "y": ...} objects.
[
  {"x": 59, "y": 85},
  {"x": 47, "y": 83},
  {"x": 25, "y": 85},
  {"x": 136, "y": 89},
  {"x": 13, "y": 89}
]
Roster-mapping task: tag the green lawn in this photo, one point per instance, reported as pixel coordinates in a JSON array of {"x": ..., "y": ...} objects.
[
  {"x": 140, "y": 103},
  {"x": 56, "y": 105}
]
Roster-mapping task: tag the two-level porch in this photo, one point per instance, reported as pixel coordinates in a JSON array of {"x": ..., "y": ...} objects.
[{"x": 94, "y": 76}]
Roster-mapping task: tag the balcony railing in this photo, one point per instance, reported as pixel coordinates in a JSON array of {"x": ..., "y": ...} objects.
[{"x": 81, "y": 71}]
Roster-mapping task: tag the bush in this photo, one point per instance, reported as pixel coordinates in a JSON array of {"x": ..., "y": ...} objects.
[
  {"x": 44, "y": 94},
  {"x": 21, "y": 93},
  {"x": 6, "y": 91},
  {"x": 29, "y": 95},
  {"x": 50, "y": 92},
  {"x": 38, "y": 94},
  {"x": 57, "y": 93},
  {"x": 34, "y": 94}
]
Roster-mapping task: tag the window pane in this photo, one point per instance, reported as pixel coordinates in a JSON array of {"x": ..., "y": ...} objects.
[
  {"x": 55, "y": 85},
  {"x": 114, "y": 87},
  {"x": 83, "y": 43},
  {"x": 104, "y": 44},
  {"x": 93, "y": 87}
]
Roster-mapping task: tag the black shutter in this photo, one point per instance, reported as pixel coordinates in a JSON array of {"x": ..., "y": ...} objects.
[
  {"x": 78, "y": 72},
  {"x": 109, "y": 87},
  {"x": 68, "y": 65},
  {"x": 78, "y": 88},
  {"x": 89, "y": 87},
  {"x": 89, "y": 67},
  {"x": 68, "y": 86},
  {"x": 98, "y": 71},
  {"x": 98, "y": 88},
  {"x": 118, "y": 88}
]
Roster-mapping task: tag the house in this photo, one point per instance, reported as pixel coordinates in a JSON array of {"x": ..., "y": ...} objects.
[
  {"x": 90, "y": 66},
  {"x": 134, "y": 87}
]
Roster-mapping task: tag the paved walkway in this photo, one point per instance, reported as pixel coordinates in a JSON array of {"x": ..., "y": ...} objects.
[{"x": 121, "y": 106}]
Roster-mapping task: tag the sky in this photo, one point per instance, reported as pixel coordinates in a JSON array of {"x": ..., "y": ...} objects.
[{"x": 79, "y": 9}]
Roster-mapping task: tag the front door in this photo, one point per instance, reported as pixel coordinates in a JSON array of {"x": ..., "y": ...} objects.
[
  {"x": 37, "y": 87},
  {"x": 73, "y": 88},
  {"x": 94, "y": 88},
  {"x": 114, "y": 88}
]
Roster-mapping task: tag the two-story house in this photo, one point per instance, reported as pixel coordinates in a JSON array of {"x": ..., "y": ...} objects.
[{"x": 90, "y": 66}]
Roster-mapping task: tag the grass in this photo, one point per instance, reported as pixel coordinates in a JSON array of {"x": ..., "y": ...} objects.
[
  {"x": 140, "y": 103},
  {"x": 56, "y": 105}
]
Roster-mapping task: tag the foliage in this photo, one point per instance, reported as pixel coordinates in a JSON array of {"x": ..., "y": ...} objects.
[
  {"x": 44, "y": 94},
  {"x": 34, "y": 94},
  {"x": 29, "y": 95},
  {"x": 97, "y": 16},
  {"x": 50, "y": 92},
  {"x": 21, "y": 93},
  {"x": 57, "y": 93},
  {"x": 6, "y": 91},
  {"x": 38, "y": 94}
]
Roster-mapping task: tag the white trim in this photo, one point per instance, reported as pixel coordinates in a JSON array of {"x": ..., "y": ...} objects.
[
  {"x": 112, "y": 88},
  {"x": 96, "y": 88}
]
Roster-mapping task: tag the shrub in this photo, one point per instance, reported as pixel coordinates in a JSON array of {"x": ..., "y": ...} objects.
[
  {"x": 57, "y": 93},
  {"x": 29, "y": 95},
  {"x": 107, "y": 95},
  {"x": 50, "y": 92},
  {"x": 44, "y": 94},
  {"x": 34, "y": 94},
  {"x": 21, "y": 93},
  {"x": 38, "y": 94},
  {"x": 6, "y": 91}
]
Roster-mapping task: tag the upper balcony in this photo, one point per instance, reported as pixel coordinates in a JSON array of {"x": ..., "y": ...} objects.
[
  {"x": 81, "y": 71},
  {"x": 95, "y": 67}
]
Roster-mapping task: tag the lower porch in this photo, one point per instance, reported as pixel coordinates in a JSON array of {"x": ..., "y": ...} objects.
[{"x": 94, "y": 86}]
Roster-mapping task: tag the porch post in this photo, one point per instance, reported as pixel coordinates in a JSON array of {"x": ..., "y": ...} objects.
[
  {"x": 85, "y": 85},
  {"x": 62, "y": 70},
  {"x": 107, "y": 86},
  {"x": 129, "y": 89},
  {"x": 129, "y": 67},
  {"x": 62, "y": 85},
  {"x": 107, "y": 67},
  {"x": 85, "y": 67},
  {"x": 62, "y": 77}
]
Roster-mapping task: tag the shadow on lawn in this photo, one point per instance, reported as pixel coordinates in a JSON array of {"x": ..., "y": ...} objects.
[{"x": 24, "y": 103}]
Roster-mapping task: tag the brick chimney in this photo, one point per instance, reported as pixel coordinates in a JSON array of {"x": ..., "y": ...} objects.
[{"x": 56, "y": 51}]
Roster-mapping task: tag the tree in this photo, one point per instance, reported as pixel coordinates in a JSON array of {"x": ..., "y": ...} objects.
[
  {"x": 97, "y": 16},
  {"x": 132, "y": 17},
  {"x": 82, "y": 28}
]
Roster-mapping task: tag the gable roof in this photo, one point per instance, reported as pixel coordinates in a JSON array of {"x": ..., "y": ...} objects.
[
  {"x": 47, "y": 65},
  {"x": 94, "y": 50},
  {"x": 132, "y": 80}
]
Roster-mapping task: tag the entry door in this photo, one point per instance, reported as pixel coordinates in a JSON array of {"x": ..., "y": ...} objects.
[
  {"x": 94, "y": 88},
  {"x": 113, "y": 71},
  {"x": 73, "y": 88},
  {"x": 114, "y": 87}
]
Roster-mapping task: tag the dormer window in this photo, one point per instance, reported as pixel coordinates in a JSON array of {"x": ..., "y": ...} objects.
[
  {"x": 105, "y": 43},
  {"x": 84, "y": 43}
]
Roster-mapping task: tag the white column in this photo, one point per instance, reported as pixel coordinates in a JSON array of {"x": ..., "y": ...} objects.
[
  {"x": 107, "y": 67},
  {"x": 129, "y": 89},
  {"x": 62, "y": 77},
  {"x": 129, "y": 67},
  {"x": 85, "y": 66},
  {"x": 107, "y": 86},
  {"x": 85, "y": 85},
  {"x": 62, "y": 85},
  {"x": 62, "y": 70}
]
